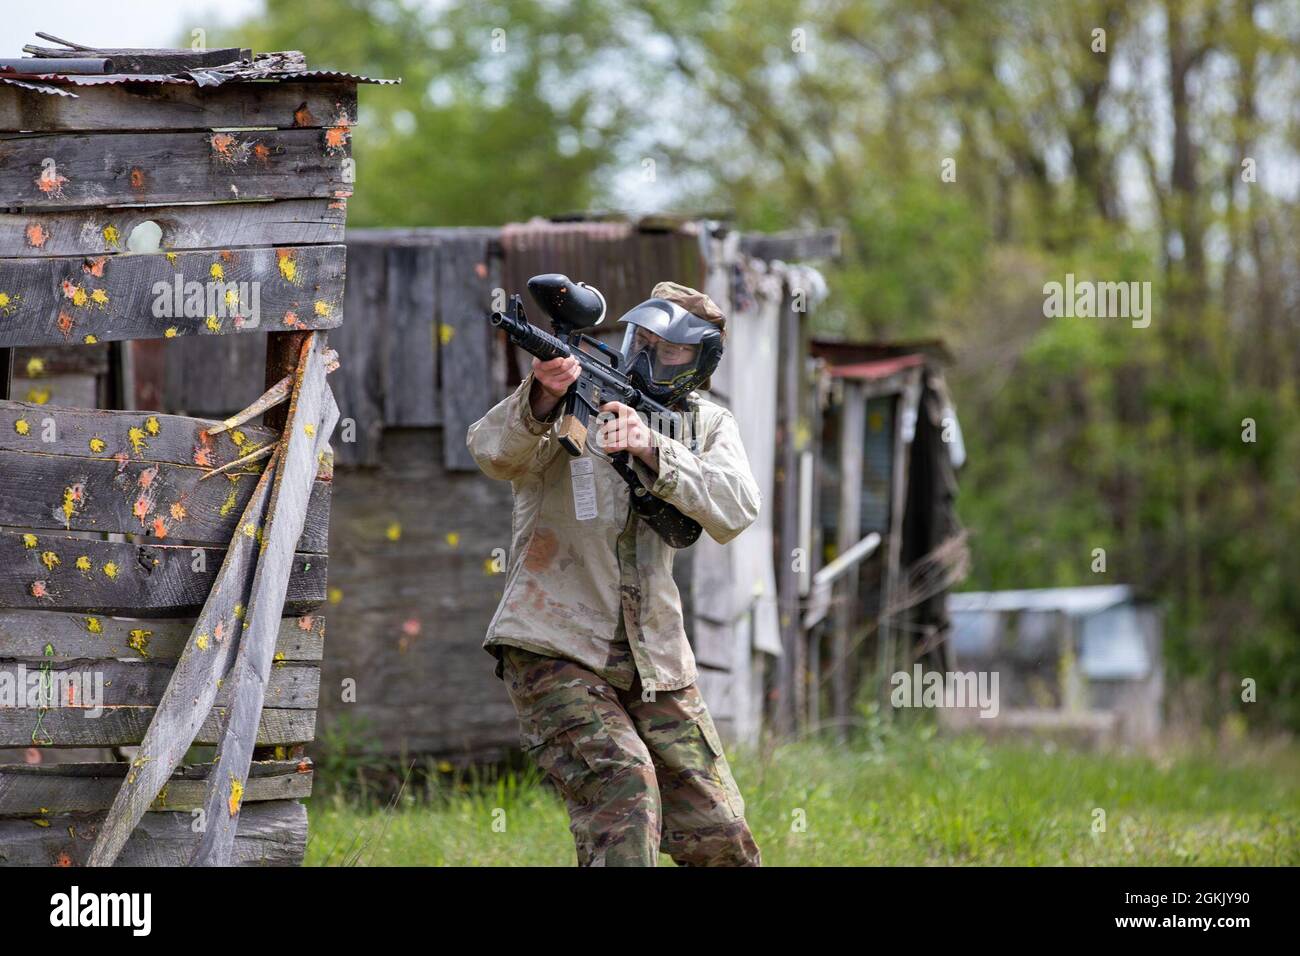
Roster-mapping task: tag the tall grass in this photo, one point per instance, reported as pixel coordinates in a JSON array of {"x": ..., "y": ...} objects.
[{"x": 895, "y": 795}]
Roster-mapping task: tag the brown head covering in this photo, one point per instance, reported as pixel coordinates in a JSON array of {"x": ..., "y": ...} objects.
[{"x": 697, "y": 303}]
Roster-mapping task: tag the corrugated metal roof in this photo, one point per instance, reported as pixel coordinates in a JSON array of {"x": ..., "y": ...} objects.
[
  {"x": 874, "y": 371},
  {"x": 1075, "y": 601}
]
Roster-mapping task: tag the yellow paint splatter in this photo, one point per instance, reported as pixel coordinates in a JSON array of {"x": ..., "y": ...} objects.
[
  {"x": 178, "y": 511},
  {"x": 90, "y": 340},
  {"x": 50, "y": 560},
  {"x": 38, "y": 396},
  {"x": 136, "y": 437},
  {"x": 97, "y": 445},
  {"x": 170, "y": 333},
  {"x": 236, "y": 795},
  {"x": 445, "y": 333},
  {"x": 288, "y": 266},
  {"x": 71, "y": 496},
  {"x": 321, "y": 308},
  {"x": 83, "y": 563},
  {"x": 79, "y": 297},
  {"x": 310, "y": 429},
  {"x": 139, "y": 641},
  {"x": 171, "y": 256},
  {"x": 151, "y": 426},
  {"x": 229, "y": 504},
  {"x": 250, "y": 529},
  {"x": 336, "y": 595},
  {"x": 110, "y": 570},
  {"x": 238, "y": 437},
  {"x": 217, "y": 272},
  {"x": 232, "y": 298},
  {"x": 201, "y": 642},
  {"x": 21, "y": 426},
  {"x": 112, "y": 236},
  {"x": 94, "y": 626},
  {"x": 213, "y": 323},
  {"x": 239, "y": 611},
  {"x": 35, "y": 367},
  {"x": 29, "y": 541},
  {"x": 99, "y": 297},
  {"x": 453, "y": 538},
  {"x": 394, "y": 531}
]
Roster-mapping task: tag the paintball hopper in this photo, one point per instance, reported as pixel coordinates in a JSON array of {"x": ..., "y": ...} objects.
[{"x": 569, "y": 305}]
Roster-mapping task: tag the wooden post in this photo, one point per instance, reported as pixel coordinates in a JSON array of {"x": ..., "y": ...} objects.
[
  {"x": 905, "y": 407},
  {"x": 789, "y": 667},
  {"x": 852, "y": 426}
]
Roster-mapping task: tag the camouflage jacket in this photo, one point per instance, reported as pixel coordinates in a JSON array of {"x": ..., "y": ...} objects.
[{"x": 587, "y": 580}]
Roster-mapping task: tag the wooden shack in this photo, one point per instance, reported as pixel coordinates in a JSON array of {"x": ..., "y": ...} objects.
[
  {"x": 127, "y": 175},
  {"x": 421, "y": 536},
  {"x": 878, "y": 522}
]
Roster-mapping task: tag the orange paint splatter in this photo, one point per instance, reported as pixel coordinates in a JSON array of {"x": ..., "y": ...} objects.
[
  {"x": 302, "y": 116},
  {"x": 336, "y": 137},
  {"x": 291, "y": 319},
  {"x": 95, "y": 267},
  {"x": 306, "y": 622},
  {"x": 137, "y": 178},
  {"x": 147, "y": 476},
  {"x": 65, "y": 324},
  {"x": 40, "y": 590},
  {"x": 51, "y": 182},
  {"x": 262, "y": 153},
  {"x": 203, "y": 450},
  {"x": 36, "y": 235},
  {"x": 178, "y": 512},
  {"x": 159, "y": 527}
]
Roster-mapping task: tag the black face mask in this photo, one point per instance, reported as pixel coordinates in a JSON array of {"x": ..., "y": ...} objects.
[{"x": 670, "y": 323}]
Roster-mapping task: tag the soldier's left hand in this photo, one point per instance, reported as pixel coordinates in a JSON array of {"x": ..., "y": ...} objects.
[{"x": 622, "y": 429}]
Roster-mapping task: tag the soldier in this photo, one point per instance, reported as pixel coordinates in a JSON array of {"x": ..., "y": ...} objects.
[{"x": 589, "y": 636}]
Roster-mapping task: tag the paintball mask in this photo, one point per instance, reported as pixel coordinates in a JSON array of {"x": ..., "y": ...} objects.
[{"x": 668, "y": 351}]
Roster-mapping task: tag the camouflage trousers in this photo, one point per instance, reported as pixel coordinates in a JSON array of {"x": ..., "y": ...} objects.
[{"x": 637, "y": 775}]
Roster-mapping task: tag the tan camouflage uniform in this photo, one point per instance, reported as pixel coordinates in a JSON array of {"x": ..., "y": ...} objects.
[{"x": 590, "y": 640}]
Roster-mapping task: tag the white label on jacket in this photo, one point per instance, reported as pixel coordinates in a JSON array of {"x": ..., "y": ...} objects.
[{"x": 582, "y": 473}]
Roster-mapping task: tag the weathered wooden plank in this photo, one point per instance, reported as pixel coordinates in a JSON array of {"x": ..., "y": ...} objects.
[
  {"x": 192, "y": 689},
  {"x": 61, "y": 170},
  {"x": 227, "y": 225},
  {"x": 465, "y": 337},
  {"x": 311, "y": 419},
  {"x": 46, "y": 789},
  {"x": 73, "y": 636},
  {"x": 124, "y": 435},
  {"x": 127, "y": 579},
  {"x": 270, "y": 834},
  {"x": 126, "y": 726},
  {"x": 363, "y": 340},
  {"x": 152, "y": 499},
  {"x": 86, "y": 684},
  {"x": 286, "y": 105},
  {"x": 62, "y": 300},
  {"x": 411, "y": 388}
]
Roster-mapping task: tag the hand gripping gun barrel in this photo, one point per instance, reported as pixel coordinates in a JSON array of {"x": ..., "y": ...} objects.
[{"x": 571, "y": 307}]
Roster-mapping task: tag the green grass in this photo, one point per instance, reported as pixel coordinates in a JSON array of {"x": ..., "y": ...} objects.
[{"x": 897, "y": 797}]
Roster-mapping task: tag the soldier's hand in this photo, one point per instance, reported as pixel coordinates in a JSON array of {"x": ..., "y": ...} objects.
[
  {"x": 622, "y": 429},
  {"x": 556, "y": 375}
]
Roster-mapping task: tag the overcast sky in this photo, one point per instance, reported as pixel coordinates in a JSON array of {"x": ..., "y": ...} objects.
[{"x": 147, "y": 23}]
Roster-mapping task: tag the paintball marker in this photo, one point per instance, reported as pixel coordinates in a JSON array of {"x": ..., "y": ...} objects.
[{"x": 572, "y": 306}]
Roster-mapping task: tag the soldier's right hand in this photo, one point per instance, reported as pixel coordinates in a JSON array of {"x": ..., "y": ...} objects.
[{"x": 556, "y": 375}]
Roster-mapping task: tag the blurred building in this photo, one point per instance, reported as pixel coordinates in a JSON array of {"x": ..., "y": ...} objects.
[{"x": 1082, "y": 662}]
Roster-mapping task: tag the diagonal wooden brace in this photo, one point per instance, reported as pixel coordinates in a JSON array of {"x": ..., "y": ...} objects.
[{"x": 312, "y": 416}]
